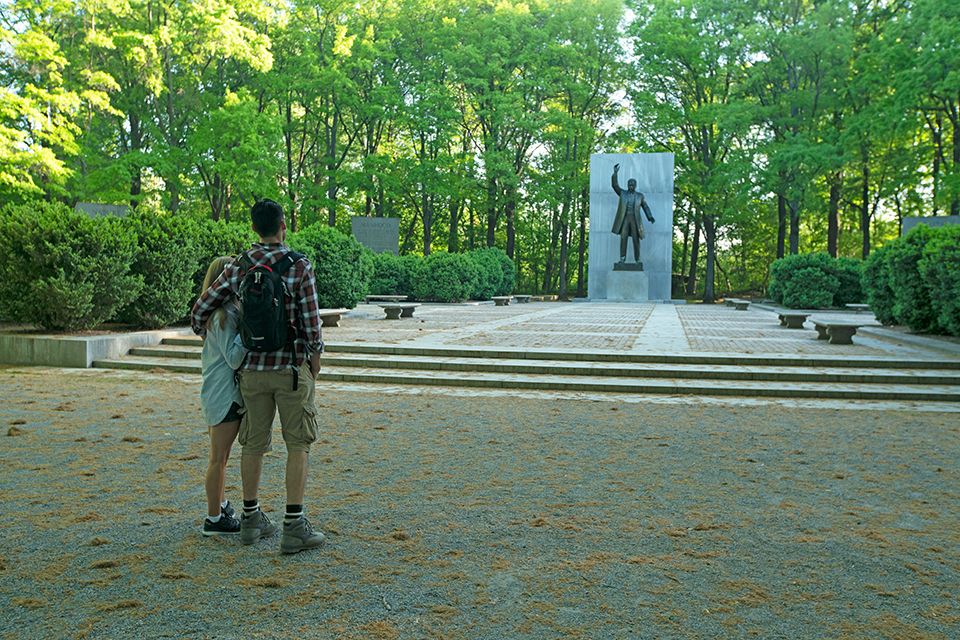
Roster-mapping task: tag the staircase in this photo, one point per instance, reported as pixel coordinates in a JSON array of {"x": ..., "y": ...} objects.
[{"x": 774, "y": 376}]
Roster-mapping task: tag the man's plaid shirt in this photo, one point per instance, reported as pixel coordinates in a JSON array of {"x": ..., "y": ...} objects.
[{"x": 302, "y": 306}]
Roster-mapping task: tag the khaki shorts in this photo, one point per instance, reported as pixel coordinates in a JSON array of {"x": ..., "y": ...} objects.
[{"x": 265, "y": 392}]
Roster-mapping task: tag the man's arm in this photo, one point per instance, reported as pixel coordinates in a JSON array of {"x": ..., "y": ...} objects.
[
  {"x": 211, "y": 300},
  {"x": 308, "y": 309},
  {"x": 646, "y": 209},
  {"x": 613, "y": 180}
]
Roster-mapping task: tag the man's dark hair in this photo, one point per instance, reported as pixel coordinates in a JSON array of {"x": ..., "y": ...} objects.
[{"x": 266, "y": 216}]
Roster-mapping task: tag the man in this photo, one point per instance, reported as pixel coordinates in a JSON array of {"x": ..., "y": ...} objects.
[
  {"x": 628, "y": 223},
  {"x": 267, "y": 384}
]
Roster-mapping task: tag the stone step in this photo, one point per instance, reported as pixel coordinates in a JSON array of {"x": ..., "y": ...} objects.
[
  {"x": 530, "y": 367},
  {"x": 332, "y": 372},
  {"x": 706, "y": 359}
]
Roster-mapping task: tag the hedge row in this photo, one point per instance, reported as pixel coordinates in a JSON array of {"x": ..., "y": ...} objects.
[
  {"x": 443, "y": 277},
  {"x": 815, "y": 281},
  {"x": 63, "y": 270},
  {"x": 915, "y": 280}
]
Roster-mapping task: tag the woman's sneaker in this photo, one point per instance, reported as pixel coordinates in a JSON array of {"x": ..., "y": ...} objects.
[
  {"x": 299, "y": 535},
  {"x": 228, "y": 510},
  {"x": 225, "y": 525},
  {"x": 254, "y": 527}
]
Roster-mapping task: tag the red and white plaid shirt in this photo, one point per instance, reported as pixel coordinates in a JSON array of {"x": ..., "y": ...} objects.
[{"x": 302, "y": 305}]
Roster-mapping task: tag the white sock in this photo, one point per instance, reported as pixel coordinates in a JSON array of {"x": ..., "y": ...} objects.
[{"x": 214, "y": 519}]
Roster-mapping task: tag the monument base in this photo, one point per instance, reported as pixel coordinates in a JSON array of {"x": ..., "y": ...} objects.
[
  {"x": 628, "y": 285},
  {"x": 628, "y": 266}
]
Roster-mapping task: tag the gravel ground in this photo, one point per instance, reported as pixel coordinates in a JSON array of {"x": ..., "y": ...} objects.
[{"x": 455, "y": 515}]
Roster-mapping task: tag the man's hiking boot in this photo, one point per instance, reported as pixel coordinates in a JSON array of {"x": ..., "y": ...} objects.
[
  {"x": 225, "y": 525},
  {"x": 255, "y": 527},
  {"x": 299, "y": 535}
]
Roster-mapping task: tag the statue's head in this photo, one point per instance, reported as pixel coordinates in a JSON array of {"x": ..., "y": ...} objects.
[{"x": 631, "y": 184}]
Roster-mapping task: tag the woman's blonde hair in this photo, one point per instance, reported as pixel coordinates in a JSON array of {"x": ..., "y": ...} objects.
[{"x": 213, "y": 272}]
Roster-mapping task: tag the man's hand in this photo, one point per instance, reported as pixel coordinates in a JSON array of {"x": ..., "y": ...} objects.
[
  {"x": 616, "y": 168},
  {"x": 652, "y": 220}
]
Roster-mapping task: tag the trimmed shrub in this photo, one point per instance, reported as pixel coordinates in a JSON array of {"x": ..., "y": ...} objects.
[
  {"x": 794, "y": 295},
  {"x": 219, "y": 238},
  {"x": 876, "y": 284},
  {"x": 62, "y": 270},
  {"x": 809, "y": 288},
  {"x": 445, "y": 277},
  {"x": 912, "y": 305},
  {"x": 167, "y": 261},
  {"x": 498, "y": 274},
  {"x": 940, "y": 268},
  {"x": 336, "y": 262},
  {"x": 848, "y": 272},
  {"x": 489, "y": 274},
  {"x": 391, "y": 274}
]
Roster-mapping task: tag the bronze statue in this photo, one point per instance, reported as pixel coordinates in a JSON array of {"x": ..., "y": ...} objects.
[{"x": 628, "y": 223}]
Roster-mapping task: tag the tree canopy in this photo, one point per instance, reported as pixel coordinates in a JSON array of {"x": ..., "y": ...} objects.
[{"x": 798, "y": 125}]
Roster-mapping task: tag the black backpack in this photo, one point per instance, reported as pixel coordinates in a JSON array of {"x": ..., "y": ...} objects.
[{"x": 264, "y": 325}]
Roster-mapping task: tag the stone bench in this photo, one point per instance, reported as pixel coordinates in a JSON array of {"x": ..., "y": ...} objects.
[
  {"x": 858, "y": 307},
  {"x": 522, "y": 299},
  {"x": 739, "y": 305},
  {"x": 331, "y": 317},
  {"x": 385, "y": 298},
  {"x": 397, "y": 310},
  {"x": 793, "y": 320},
  {"x": 836, "y": 332},
  {"x": 502, "y": 301}
]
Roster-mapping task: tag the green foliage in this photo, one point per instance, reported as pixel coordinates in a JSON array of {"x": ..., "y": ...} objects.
[
  {"x": 804, "y": 281},
  {"x": 876, "y": 284},
  {"x": 63, "y": 270},
  {"x": 167, "y": 260},
  {"x": 940, "y": 268},
  {"x": 392, "y": 274},
  {"x": 445, "y": 277},
  {"x": 912, "y": 305},
  {"x": 219, "y": 238},
  {"x": 336, "y": 262},
  {"x": 809, "y": 288},
  {"x": 848, "y": 272}
]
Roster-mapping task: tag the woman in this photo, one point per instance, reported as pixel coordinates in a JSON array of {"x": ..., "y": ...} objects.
[{"x": 220, "y": 400}]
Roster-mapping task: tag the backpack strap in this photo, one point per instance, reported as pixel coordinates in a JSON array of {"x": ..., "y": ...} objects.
[{"x": 288, "y": 260}]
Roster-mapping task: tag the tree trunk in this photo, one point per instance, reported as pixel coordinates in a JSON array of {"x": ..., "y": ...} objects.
[
  {"x": 510, "y": 211},
  {"x": 584, "y": 206},
  {"x": 291, "y": 186},
  {"x": 781, "y": 225},
  {"x": 794, "y": 227},
  {"x": 136, "y": 142},
  {"x": 694, "y": 257},
  {"x": 332, "y": 132},
  {"x": 865, "y": 210},
  {"x": 833, "y": 216},
  {"x": 709, "y": 294},
  {"x": 453, "y": 237},
  {"x": 562, "y": 289},
  {"x": 427, "y": 222}
]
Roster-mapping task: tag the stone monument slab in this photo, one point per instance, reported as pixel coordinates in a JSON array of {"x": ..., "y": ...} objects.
[
  {"x": 624, "y": 285},
  {"x": 653, "y": 173},
  {"x": 377, "y": 234}
]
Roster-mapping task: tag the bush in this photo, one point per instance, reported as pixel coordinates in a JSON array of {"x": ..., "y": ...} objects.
[
  {"x": 392, "y": 274},
  {"x": 167, "y": 261},
  {"x": 912, "y": 305},
  {"x": 794, "y": 295},
  {"x": 876, "y": 284},
  {"x": 848, "y": 272},
  {"x": 809, "y": 288},
  {"x": 336, "y": 263},
  {"x": 445, "y": 277},
  {"x": 489, "y": 274},
  {"x": 63, "y": 270},
  {"x": 940, "y": 268},
  {"x": 498, "y": 274},
  {"x": 219, "y": 238}
]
